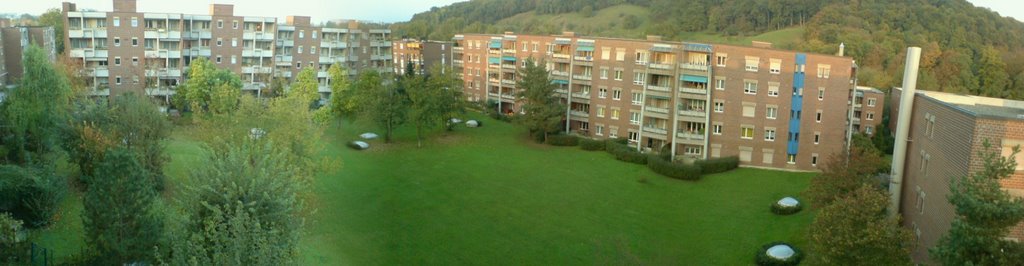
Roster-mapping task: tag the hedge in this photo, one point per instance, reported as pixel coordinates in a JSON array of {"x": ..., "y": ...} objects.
[
  {"x": 718, "y": 165},
  {"x": 562, "y": 140},
  {"x": 625, "y": 153},
  {"x": 763, "y": 259},
  {"x": 674, "y": 170},
  {"x": 592, "y": 144}
]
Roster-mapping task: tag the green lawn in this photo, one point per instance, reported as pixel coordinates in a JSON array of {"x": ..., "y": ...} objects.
[{"x": 488, "y": 196}]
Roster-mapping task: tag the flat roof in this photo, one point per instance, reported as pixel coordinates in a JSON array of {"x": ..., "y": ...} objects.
[
  {"x": 978, "y": 106},
  {"x": 869, "y": 89}
]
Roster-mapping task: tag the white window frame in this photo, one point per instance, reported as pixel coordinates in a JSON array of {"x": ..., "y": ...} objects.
[
  {"x": 771, "y": 112},
  {"x": 747, "y": 128},
  {"x": 750, "y": 87}
]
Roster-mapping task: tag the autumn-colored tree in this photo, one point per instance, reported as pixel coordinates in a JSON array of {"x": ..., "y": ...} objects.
[
  {"x": 843, "y": 173},
  {"x": 856, "y": 230}
]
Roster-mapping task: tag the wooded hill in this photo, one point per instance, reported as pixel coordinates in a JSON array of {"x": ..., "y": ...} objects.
[{"x": 967, "y": 49}]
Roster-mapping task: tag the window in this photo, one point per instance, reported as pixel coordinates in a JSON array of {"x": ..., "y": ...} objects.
[
  {"x": 692, "y": 150},
  {"x": 814, "y": 160},
  {"x": 716, "y": 129},
  {"x": 748, "y": 109},
  {"x": 117, "y": 61},
  {"x": 234, "y": 42},
  {"x": 769, "y": 134},
  {"x": 620, "y": 54},
  {"x": 299, "y": 49},
  {"x": 817, "y": 116},
  {"x": 870, "y": 116},
  {"x": 302, "y": 34},
  {"x": 821, "y": 93},
  {"x": 117, "y": 41},
  {"x": 618, "y": 74},
  {"x": 773, "y": 89},
  {"x": 604, "y": 73},
  {"x": 637, "y": 99},
  {"x": 598, "y": 130},
  {"x": 920, "y": 200},
  {"x": 606, "y": 53},
  {"x": 719, "y": 83},
  {"x": 869, "y": 130},
  {"x": 218, "y": 59},
  {"x": 751, "y": 63},
  {"x": 234, "y": 24},
  {"x": 720, "y": 59},
  {"x": 929, "y": 126},
  {"x": 600, "y": 111},
  {"x": 641, "y": 57},
  {"x": 220, "y": 42},
  {"x": 135, "y": 61},
  {"x": 525, "y": 47},
  {"x": 135, "y": 41},
  {"x": 535, "y": 46},
  {"x": 314, "y": 37},
  {"x": 747, "y": 132},
  {"x": 871, "y": 102},
  {"x": 768, "y": 156},
  {"x": 117, "y": 21},
  {"x": 602, "y": 93},
  {"x": 750, "y": 86},
  {"x": 824, "y": 70},
  {"x": 234, "y": 60},
  {"x": 817, "y": 137},
  {"x": 771, "y": 112},
  {"x": 615, "y": 113},
  {"x": 613, "y": 132},
  {"x": 634, "y": 136},
  {"x": 791, "y": 159},
  {"x": 719, "y": 106},
  {"x": 135, "y": 79},
  {"x": 634, "y": 118},
  {"x": 298, "y": 65},
  {"x": 775, "y": 66},
  {"x": 312, "y": 50},
  {"x": 117, "y": 80},
  {"x": 135, "y": 22},
  {"x": 639, "y": 78},
  {"x": 220, "y": 24},
  {"x": 583, "y": 125}
]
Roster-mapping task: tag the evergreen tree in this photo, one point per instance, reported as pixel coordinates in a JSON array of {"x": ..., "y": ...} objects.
[
  {"x": 543, "y": 111},
  {"x": 984, "y": 215},
  {"x": 119, "y": 216},
  {"x": 857, "y": 230}
]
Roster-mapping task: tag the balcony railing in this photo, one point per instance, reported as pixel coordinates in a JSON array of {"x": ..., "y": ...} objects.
[
  {"x": 690, "y": 135},
  {"x": 693, "y": 90},
  {"x": 561, "y": 56},
  {"x": 655, "y": 130},
  {"x": 508, "y": 82},
  {"x": 656, "y": 109},
  {"x": 692, "y": 113},
  {"x": 662, "y": 66},
  {"x": 580, "y": 95},
  {"x": 581, "y": 77},
  {"x": 694, "y": 67},
  {"x": 659, "y": 88},
  {"x": 559, "y": 73},
  {"x": 578, "y": 113}
]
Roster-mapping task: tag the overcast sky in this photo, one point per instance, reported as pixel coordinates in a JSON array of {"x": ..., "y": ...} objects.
[{"x": 322, "y": 10}]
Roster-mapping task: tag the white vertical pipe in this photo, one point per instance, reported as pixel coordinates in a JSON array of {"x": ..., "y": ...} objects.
[{"x": 899, "y": 155}]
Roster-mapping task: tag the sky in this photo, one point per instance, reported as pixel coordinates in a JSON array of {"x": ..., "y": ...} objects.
[
  {"x": 319, "y": 10},
  {"x": 323, "y": 10}
]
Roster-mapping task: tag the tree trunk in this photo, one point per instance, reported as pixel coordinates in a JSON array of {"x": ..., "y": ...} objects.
[{"x": 419, "y": 135}]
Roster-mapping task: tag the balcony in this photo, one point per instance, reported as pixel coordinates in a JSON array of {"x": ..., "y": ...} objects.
[
  {"x": 87, "y": 33},
  {"x": 508, "y": 66},
  {"x": 162, "y": 53},
  {"x": 654, "y": 109},
  {"x": 354, "y": 58},
  {"x": 89, "y": 53},
  {"x": 159, "y": 91},
  {"x": 333, "y": 44},
  {"x": 693, "y": 90},
  {"x": 494, "y": 52},
  {"x": 198, "y": 34},
  {"x": 286, "y": 43},
  {"x": 457, "y": 62},
  {"x": 257, "y": 70},
  {"x": 288, "y": 73},
  {"x": 162, "y": 34},
  {"x": 581, "y": 114},
  {"x": 508, "y": 51},
  {"x": 457, "y": 49},
  {"x": 494, "y": 81},
  {"x": 692, "y": 113},
  {"x": 101, "y": 72},
  {"x": 694, "y": 67},
  {"x": 508, "y": 82},
  {"x": 321, "y": 74},
  {"x": 254, "y": 86},
  {"x": 581, "y": 77},
  {"x": 659, "y": 88},
  {"x": 584, "y": 58},
  {"x": 101, "y": 92},
  {"x": 690, "y": 136},
  {"x": 257, "y": 53},
  {"x": 580, "y": 95},
  {"x": 257, "y": 35},
  {"x": 164, "y": 72},
  {"x": 660, "y": 66},
  {"x": 283, "y": 60},
  {"x": 380, "y": 57},
  {"x": 655, "y": 130},
  {"x": 380, "y": 43}
]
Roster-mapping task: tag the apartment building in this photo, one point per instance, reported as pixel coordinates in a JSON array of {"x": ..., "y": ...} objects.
[
  {"x": 868, "y": 105},
  {"x": 947, "y": 132},
  {"x": 13, "y": 42},
  {"x": 695, "y": 100},
  {"x": 421, "y": 54},
  {"x": 149, "y": 53}
]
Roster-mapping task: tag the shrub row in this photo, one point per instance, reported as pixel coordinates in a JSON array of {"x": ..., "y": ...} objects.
[
  {"x": 674, "y": 170},
  {"x": 592, "y": 144},
  {"x": 562, "y": 140},
  {"x": 625, "y": 153},
  {"x": 718, "y": 165}
]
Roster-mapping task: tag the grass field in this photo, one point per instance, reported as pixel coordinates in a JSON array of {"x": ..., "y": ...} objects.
[{"x": 488, "y": 196}]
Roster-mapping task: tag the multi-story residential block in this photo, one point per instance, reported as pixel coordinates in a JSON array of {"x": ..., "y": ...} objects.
[
  {"x": 13, "y": 42},
  {"x": 695, "y": 100},
  {"x": 947, "y": 132},
  {"x": 421, "y": 54},
  {"x": 868, "y": 105},
  {"x": 149, "y": 53}
]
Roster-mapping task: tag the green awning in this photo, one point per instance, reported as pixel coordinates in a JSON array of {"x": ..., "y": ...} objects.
[
  {"x": 496, "y": 44},
  {"x": 585, "y": 48},
  {"x": 662, "y": 49},
  {"x": 692, "y": 78},
  {"x": 658, "y": 97},
  {"x": 509, "y": 58},
  {"x": 493, "y": 60},
  {"x": 560, "y": 81},
  {"x": 563, "y": 42}
]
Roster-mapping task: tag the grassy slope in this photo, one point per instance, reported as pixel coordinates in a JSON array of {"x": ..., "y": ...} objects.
[
  {"x": 608, "y": 23},
  {"x": 495, "y": 199}
]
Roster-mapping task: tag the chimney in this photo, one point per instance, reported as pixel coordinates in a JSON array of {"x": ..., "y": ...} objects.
[
  {"x": 509, "y": 33},
  {"x": 906, "y": 106},
  {"x": 654, "y": 38},
  {"x": 842, "y": 48},
  {"x": 757, "y": 44},
  {"x": 68, "y": 7},
  {"x": 353, "y": 24},
  {"x": 127, "y": 6},
  {"x": 222, "y": 10},
  {"x": 5, "y": 22},
  {"x": 568, "y": 34},
  {"x": 302, "y": 21}
]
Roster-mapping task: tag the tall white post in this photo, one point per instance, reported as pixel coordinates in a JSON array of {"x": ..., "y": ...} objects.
[{"x": 899, "y": 155}]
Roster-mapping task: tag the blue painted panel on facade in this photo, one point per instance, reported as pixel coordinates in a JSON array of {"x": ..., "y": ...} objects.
[{"x": 801, "y": 59}]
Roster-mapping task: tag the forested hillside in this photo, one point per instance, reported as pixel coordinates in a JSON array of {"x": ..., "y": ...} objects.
[{"x": 967, "y": 49}]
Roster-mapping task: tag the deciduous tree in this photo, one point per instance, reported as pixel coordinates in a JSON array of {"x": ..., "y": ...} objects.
[
  {"x": 381, "y": 101},
  {"x": 35, "y": 110},
  {"x": 306, "y": 87},
  {"x": 857, "y": 230}
]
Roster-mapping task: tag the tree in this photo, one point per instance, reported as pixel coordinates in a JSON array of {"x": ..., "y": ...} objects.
[
  {"x": 306, "y": 86},
  {"x": 35, "y": 110},
  {"x": 843, "y": 173},
  {"x": 241, "y": 208},
  {"x": 984, "y": 215},
  {"x": 992, "y": 76},
  {"x": 54, "y": 18},
  {"x": 452, "y": 100},
  {"x": 121, "y": 222},
  {"x": 543, "y": 111},
  {"x": 208, "y": 88},
  {"x": 341, "y": 96},
  {"x": 425, "y": 105},
  {"x": 856, "y": 230},
  {"x": 31, "y": 194},
  {"x": 381, "y": 101}
]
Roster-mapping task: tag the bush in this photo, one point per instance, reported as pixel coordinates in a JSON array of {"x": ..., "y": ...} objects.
[
  {"x": 763, "y": 259},
  {"x": 673, "y": 170},
  {"x": 562, "y": 140},
  {"x": 12, "y": 249},
  {"x": 785, "y": 210},
  {"x": 592, "y": 144},
  {"x": 625, "y": 153},
  {"x": 718, "y": 165},
  {"x": 31, "y": 195}
]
